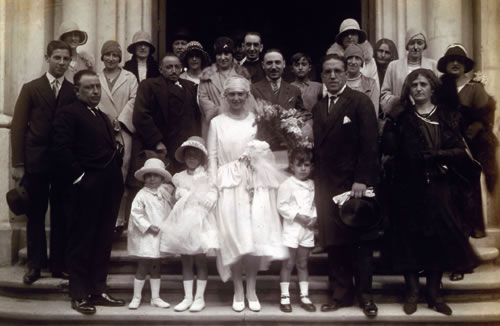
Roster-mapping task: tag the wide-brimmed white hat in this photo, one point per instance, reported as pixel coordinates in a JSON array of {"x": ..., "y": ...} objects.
[
  {"x": 67, "y": 27},
  {"x": 153, "y": 165},
  {"x": 193, "y": 141},
  {"x": 347, "y": 26}
]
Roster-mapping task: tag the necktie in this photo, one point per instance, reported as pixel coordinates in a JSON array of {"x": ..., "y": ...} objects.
[
  {"x": 55, "y": 87},
  {"x": 178, "y": 84},
  {"x": 94, "y": 111},
  {"x": 332, "y": 103},
  {"x": 274, "y": 87}
]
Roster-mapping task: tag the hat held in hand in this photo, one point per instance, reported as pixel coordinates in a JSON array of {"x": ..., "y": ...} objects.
[
  {"x": 18, "y": 200},
  {"x": 360, "y": 213}
]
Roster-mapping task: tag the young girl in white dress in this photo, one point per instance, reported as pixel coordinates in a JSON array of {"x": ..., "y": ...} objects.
[
  {"x": 149, "y": 209},
  {"x": 296, "y": 206},
  {"x": 190, "y": 229}
]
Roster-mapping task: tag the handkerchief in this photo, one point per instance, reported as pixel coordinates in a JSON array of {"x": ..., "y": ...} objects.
[{"x": 346, "y": 120}]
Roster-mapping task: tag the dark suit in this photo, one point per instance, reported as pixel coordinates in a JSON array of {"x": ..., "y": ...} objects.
[
  {"x": 164, "y": 112},
  {"x": 30, "y": 140},
  {"x": 288, "y": 96},
  {"x": 255, "y": 69},
  {"x": 85, "y": 143},
  {"x": 345, "y": 151}
]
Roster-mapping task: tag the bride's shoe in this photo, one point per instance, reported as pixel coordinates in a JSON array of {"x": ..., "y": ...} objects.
[
  {"x": 254, "y": 305},
  {"x": 238, "y": 306}
]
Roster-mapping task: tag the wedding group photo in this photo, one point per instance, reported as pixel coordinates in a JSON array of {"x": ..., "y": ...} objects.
[{"x": 260, "y": 163}]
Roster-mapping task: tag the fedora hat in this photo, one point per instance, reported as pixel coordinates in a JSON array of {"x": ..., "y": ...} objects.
[
  {"x": 67, "y": 27},
  {"x": 360, "y": 213},
  {"x": 141, "y": 37},
  {"x": 455, "y": 51},
  {"x": 18, "y": 200},
  {"x": 195, "y": 47},
  {"x": 193, "y": 141},
  {"x": 153, "y": 165},
  {"x": 349, "y": 25}
]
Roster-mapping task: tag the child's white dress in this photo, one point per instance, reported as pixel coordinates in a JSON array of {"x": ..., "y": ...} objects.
[
  {"x": 150, "y": 207},
  {"x": 296, "y": 197},
  {"x": 191, "y": 228}
]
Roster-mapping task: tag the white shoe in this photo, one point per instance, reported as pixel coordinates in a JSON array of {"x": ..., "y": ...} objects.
[
  {"x": 254, "y": 305},
  {"x": 238, "y": 306},
  {"x": 184, "y": 305},
  {"x": 198, "y": 305},
  {"x": 135, "y": 303},
  {"x": 158, "y": 302}
]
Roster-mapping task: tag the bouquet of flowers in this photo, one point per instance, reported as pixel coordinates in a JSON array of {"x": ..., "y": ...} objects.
[{"x": 283, "y": 128}]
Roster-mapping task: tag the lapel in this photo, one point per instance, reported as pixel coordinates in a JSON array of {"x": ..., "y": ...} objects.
[
  {"x": 339, "y": 110},
  {"x": 122, "y": 78},
  {"x": 105, "y": 88},
  {"x": 264, "y": 88},
  {"x": 176, "y": 91},
  {"x": 45, "y": 92},
  {"x": 284, "y": 94},
  {"x": 66, "y": 93}
]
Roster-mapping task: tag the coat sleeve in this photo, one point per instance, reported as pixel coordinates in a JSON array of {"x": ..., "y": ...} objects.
[
  {"x": 375, "y": 96},
  {"x": 19, "y": 125},
  {"x": 138, "y": 214},
  {"x": 208, "y": 108},
  {"x": 143, "y": 116},
  {"x": 284, "y": 202},
  {"x": 127, "y": 112},
  {"x": 387, "y": 99},
  {"x": 367, "y": 161},
  {"x": 212, "y": 153}
]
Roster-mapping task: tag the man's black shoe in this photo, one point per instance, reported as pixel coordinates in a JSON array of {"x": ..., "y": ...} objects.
[
  {"x": 83, "y": 306},
  {"x": 31, "y": 276},
  {"x": 105, "y": 299},
  {"x": 63, "y": 275},
  {"x": 332, "y": 306},
  {"x": 369, "y": 309}
]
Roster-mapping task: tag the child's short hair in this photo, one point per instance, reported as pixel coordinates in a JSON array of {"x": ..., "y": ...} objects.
[
  {"x": 301, "y": 155},
  {"x": 299, "y": 55}
]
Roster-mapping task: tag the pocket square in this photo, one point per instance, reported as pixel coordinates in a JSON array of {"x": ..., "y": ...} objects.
[{"x": 346, "y": 120}]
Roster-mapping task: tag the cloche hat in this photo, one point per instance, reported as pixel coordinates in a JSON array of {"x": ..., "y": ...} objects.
[
  {"x": 413, "y": 33},
  {"x": 141, "y": 37},
  {"x": 455, "y": 51},
  {"x": 353, "y": 50},
  {"x": 67, "y": 27},
  {"x": 348, "y": 25},
  {"x": 193, "y": 141},
  {"x": 153, "y": 165},
  {"x": 195, "y": 46},
  {"x": 223, "y": 44}
]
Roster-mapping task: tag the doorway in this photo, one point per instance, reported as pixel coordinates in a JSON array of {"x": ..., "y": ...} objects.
[{"x": 291, "y": 26}]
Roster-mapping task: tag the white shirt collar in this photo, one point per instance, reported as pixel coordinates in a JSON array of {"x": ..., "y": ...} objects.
[
  {"x": 278, "y": 82},
  {"x": 52, "y": 78},
  {"x": 338, "y": 93}
]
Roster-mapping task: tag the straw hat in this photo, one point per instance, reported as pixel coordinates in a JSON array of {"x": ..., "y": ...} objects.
[
  {"x": 193, "y": 47},
  {"x": 193, "y": 141},
  {"x": 67, "y": 27},
  {"x": 141, "y": 37},
  {"x": 153, "y": 165},
  {"x": 349, "y": 25}
]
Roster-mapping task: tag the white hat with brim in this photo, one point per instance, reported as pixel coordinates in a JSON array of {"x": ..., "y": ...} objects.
[
  {"x": 349, "y": 25},
  {"x": 67, "y": 27},
  {"x": 153, "y": 165},
  {"x": 141, "y": 37},
  {"x": 193, "y": 141}
]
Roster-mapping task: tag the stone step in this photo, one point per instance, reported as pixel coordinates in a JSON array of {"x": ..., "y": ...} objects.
[
  {"x": 218, "y": 312},
  {"x": 482, "y": 285}
]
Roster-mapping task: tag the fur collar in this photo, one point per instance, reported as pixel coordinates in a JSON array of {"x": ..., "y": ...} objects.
[{"x": 209, "y": 71}]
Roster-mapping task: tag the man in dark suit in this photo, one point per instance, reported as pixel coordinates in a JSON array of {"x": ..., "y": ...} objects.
[
  {"x": 252, "y": 45},
  {"x": 345, "y": 154},
  {"x": 30, "y": 138},
  {"x": 273, "y": 88},
  {"x": 166, "y": 112},
  {"x": 89, "y": 162}
]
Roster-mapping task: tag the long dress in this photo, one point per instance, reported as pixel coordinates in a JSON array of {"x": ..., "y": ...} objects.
[
  {"x": 426, "y": 225},
  {"x": 247, "y": 224}
]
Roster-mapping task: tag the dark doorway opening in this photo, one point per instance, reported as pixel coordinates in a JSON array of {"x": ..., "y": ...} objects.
[{"x": 291, "y": 26}]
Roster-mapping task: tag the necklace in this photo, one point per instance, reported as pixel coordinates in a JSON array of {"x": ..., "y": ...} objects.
[{"x": 425, "y": 116}]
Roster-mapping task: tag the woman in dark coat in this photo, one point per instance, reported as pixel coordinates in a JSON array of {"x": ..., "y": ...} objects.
[
  {"x": 426, "y": 225},
  {"x": 142, "y": 64}
]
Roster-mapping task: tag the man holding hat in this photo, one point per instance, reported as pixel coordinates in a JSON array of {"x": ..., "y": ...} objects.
[
  {"x": 398, "y": 70},
  {"x": 345, "y": 159},
  {"x": 30, "y": 139},
  {"x": 351, "y": 33},
  {"x": 212, "y": 80},
  {"x": 142, "y": 64}
]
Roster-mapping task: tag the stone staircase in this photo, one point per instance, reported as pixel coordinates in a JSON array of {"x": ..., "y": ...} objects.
[{"x": 474, "y": 300}]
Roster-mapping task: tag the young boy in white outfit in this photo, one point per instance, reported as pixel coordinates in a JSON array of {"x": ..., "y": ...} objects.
[{"x": 296, "y": 206}]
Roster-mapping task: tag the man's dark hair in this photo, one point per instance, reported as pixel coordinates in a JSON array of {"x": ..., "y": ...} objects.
[
  {"x": 253, "y": 33},
  {"x": 299, "y": 55},
  {"x": 332, "y": 56},
  {"x": 57, "y": 44},
  {"x": 78, "y": 76},
  {"x": 169, "y": 54},
  {"x": 274, "y": 50}
]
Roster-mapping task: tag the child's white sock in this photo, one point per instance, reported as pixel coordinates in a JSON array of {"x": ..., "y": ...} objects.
[
  {"x": 199, "y": 298},
  {"x": 285, "y": 294},
  {"x": 156, "y": 301},
  {"x": 188, "y": 296},
  {"x": 136, "y": 300},
  {"x": 304, "y": 292}
]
